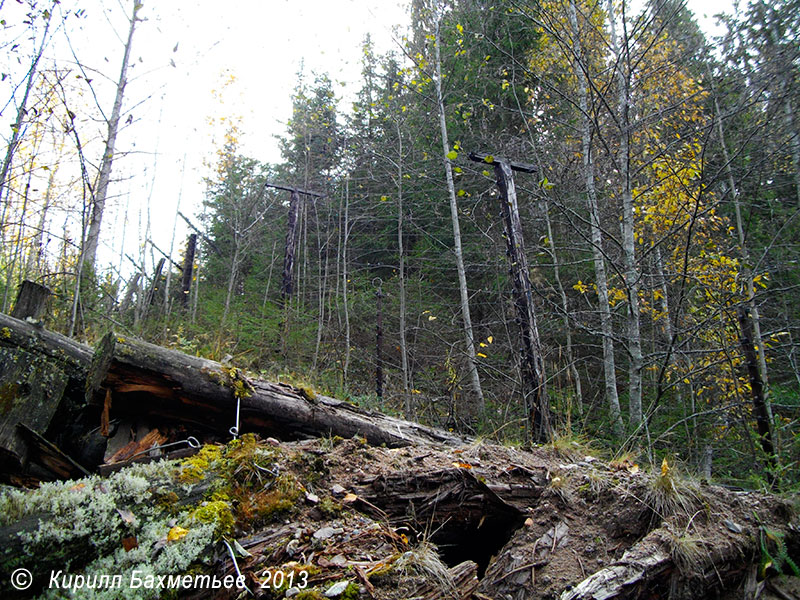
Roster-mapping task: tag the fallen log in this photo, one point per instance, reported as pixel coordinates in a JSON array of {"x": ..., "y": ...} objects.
[
  {"x": 217, "y": 399},
  {"x": 38, "y": 368},
  {"x": 73, "y": 357}
]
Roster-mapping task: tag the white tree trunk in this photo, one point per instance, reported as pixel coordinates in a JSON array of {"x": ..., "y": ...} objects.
[
  {"x": 408, "y": 408},
  {"x": 628, "y": 234},
  {"x": 104, "y": 176},
  {"x": 609, "y": 364},
  {"x": 469, "y": 338}
]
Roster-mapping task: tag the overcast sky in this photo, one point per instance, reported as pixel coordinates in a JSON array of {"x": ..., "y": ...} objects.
[{"x": 184, "y": 50}]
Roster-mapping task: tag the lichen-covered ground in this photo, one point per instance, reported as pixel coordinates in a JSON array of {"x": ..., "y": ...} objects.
[{"x": 340, "y": 519}]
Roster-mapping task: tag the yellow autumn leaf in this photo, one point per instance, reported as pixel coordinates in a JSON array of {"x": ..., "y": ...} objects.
[
  {"x": 176, "y": 533},
  {"x": 481, "y": 354},
  {"x": 490, "y": 339}
]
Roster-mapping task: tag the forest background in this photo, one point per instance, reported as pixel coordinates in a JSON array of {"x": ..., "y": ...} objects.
[{"x": 660, "y": 226}]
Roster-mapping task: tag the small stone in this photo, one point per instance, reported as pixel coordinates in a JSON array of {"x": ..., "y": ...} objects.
[
  {"x": 291, "y": 592},
  {"x": 337, "y": 589},
  {"x": 312, "y": 498},
  {"x": 337, "y": 490},
  {"x": 338, "y": 561},
  {"x": 733, "y": 527},
  {"x": 327, "y": 532}
]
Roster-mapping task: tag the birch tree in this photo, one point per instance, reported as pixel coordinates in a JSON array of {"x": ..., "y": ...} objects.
[{"x": 112, "y": 128}]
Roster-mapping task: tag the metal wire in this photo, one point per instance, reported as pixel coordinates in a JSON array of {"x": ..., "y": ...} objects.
[
  {"x": 191, "y": 440},
  {"x": 234, "y": 431}
]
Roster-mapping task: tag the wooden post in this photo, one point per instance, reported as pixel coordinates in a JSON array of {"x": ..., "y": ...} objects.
[
  {"x": 31, "y": 300},
  {"x": 291, "y": 240},
  {"x": 379, "y": 295},
  {"x": 757, "y": 389},
  {"x": 188, "y": 269},
  {"x": 531, "y": 363},
  {"x": 291, "y": 236},
  {"x": 151, "y": 293}
]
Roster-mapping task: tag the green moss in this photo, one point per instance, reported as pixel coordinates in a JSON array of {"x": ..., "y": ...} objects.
[
  {"x": 329, "y": 507},
  {"x": 5, "y": 333},
  {"x": 217, "y": 513},
  {"x": 310, "y": 595},
  {"x": 350, "y": 593},
  {"x": 197, "y": 467}
]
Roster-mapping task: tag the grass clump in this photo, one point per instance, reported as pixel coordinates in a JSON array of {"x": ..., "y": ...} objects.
[
  {"x": 424, "y": 562},
  {"x": 668, "y": 495}
]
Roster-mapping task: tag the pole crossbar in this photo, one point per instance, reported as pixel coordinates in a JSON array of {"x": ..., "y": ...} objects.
[
  {"x": 489, "y": 159},
  {"x": 287, "y": 188}
]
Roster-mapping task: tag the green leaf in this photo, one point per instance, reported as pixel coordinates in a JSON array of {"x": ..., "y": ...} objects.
[
  {"x": 452, "y": 155},
  {"x": 461, "y": 193},
  {"x": 489, "y": 159}
]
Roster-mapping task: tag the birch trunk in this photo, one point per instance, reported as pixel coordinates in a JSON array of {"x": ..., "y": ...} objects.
[
  {"x": 104, "y": 176},
  {"x": 628, "y": 234},
  {"x": 469, "y": 338},
  {"x": 408, "y": 409},
  {"x": 606, "y": 326},
  {"x": 344, "y": 283},
  {"x": 22, "y": 110}
]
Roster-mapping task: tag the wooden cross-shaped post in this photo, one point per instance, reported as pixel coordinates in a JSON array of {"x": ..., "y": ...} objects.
[
  {"x": 291, "y": 235},
  {"x": 534, "y": 390}
]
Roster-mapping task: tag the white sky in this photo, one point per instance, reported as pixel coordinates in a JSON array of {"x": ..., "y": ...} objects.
[{"x": 263, "y": 43}]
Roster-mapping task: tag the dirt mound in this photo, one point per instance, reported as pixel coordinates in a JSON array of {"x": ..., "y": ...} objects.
[{"x": 342, "y": 519}]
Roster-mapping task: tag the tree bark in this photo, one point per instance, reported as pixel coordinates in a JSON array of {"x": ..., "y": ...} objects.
[
  {"x": 469, "y": 337},
  {"x": 606, "y": 325},
  {"x": 31, "y": 301},
  {"x": 188, "y": 269},
  {"x": 22, "y": 110},
  {"x": 631, "y": 274},
  {"x": 202, "y": 395},
  {"x": 104, "y": 176}
]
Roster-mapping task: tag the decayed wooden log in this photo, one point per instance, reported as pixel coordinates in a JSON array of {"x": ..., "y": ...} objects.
[
  {"x": 31, "y": 301},
  {"x": 203, "y": 395},
  {"x": 37, "y": 368},
  {"x": 74, "y": 357}
]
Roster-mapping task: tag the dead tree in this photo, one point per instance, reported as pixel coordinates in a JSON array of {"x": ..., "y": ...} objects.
[
  {"x": 31, "y": 301},
  {"x": 287, "y": 286},
  {"x": 531, "y": 363},
  {"x": 188, "y": 269}
]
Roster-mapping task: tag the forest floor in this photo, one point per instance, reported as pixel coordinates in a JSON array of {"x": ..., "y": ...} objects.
[
  {"x": 536, "y": 524},
  {"x": 338, "y": 518}
]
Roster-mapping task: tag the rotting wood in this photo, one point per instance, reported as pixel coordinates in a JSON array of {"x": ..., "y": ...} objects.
[
  {"x": 31, "y": 388},
  {"x": 72, "y": 356},
  {"x": 188, "y": 269},
  {"x": 31, "y": 301},
  {"x": 202, "y": 395}
]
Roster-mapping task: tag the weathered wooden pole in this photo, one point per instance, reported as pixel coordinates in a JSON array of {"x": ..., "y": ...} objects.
[
  {"x": 287, "y": 285},
  {"x": 756, "y": 388},
  {"x": 291, "y": 240},
  {"x": 31, "y": 300},
  {"x": 188, "y": 269},
  {"x": 379, "y": 295},
  {"x": 534, "y": 390}
]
